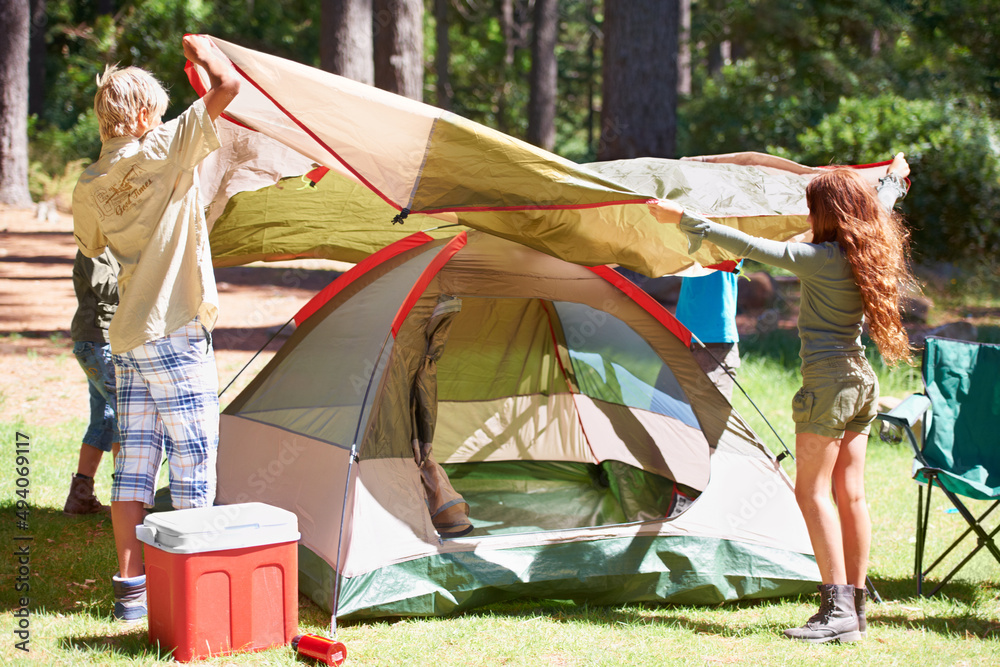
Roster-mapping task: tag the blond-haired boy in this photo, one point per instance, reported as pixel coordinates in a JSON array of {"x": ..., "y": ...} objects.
[{"x": 140, "y": 199}]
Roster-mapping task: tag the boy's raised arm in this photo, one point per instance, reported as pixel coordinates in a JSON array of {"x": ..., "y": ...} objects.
[{"x": 202, "y": 51}]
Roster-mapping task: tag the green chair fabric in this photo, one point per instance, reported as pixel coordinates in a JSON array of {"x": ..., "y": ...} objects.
[{"x": 960, "y": 448}]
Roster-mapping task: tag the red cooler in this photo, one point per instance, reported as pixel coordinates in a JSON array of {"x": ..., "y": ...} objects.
[{"x": 221, "y": 579}]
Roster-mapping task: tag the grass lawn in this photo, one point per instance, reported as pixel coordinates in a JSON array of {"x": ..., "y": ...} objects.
[{"x": 72, "y": 560}]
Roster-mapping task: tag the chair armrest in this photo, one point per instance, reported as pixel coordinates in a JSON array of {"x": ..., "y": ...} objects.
[{"x": 907, "y": 413}]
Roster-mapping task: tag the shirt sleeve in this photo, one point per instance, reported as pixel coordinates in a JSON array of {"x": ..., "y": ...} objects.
[
  {"x": 89, "y": 237},
  {"x": 891, "y": 188},
  {"x": 104, "y": 278},
  {"x": 802, "y": 259},
  {"x": 187, "y": 139}
]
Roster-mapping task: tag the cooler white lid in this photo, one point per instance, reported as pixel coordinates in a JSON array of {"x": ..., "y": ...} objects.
[{"x": 218, "y": 528}]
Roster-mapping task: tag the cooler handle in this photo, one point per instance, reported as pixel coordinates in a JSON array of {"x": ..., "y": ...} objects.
[{"x": 146, "y": 534}]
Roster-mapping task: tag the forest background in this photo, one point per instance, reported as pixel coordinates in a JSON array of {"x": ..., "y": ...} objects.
[{"x": 819, "y": 82}]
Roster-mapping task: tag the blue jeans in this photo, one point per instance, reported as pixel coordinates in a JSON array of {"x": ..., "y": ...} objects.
[{"x": 95, "y": 360}]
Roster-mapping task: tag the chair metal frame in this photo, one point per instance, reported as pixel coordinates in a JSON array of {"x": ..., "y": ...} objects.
[{"x": 906, "y": 415}]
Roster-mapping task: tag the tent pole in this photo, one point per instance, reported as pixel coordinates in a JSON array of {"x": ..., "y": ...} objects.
[
  {"x": 247, "y": 364},
  {"x": 354, "y": 458},
  {"x": 340, "y": 540},
  {"x": 434, "y": 229}
]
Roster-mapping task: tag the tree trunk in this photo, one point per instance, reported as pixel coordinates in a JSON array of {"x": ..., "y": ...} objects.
[
  {"x": 442, "y": 57},
  {"x": 684, "y": 50},
  {"x": 542, "y": 102},
  {"x": 399, "y": 47},
  {"x": 738, "y": 49},
  {"x": 639, "y": 117},
  {"x": 36, "y": 58},
  {"x": 15, "y": 17},
  {"x": 718, "y": 56},
  {"x": 345, "y": 43},
  {"x": 718, "y": 45},
  {"x": 503, "y": 89},
  {"x": 591, "y": 65},
  {"x": 875, "y": 42}
]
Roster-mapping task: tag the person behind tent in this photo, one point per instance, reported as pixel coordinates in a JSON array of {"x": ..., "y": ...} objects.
[
  {"x": 140, "y": 199},
  {"x": 707, "y": 307},
  {"x": 851, "y": 274},
  {"x": 95, "y": 281}
]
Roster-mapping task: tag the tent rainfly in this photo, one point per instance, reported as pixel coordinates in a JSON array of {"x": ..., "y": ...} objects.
[{"x": 389, "y": 158}]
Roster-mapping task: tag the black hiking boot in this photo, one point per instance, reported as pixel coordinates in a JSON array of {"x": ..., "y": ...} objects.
[
  {"x": 836, "y": 619},
  {"x": 859, "y": 606}
]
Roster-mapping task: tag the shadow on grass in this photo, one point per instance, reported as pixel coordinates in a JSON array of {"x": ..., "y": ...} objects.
[
  {"x": 71, "y": 560},
  {"x": 960, "y": 590},
  {"x": 948, "y": 625},
  {"x": 133, "y": 644},
  {"x": 901, "y": 608},
  {"x": 312, "y": 280},
  {"x": 780, "y": 346},
  {"x": 989, "y": 334},
  {"x": 879, "y": 616}
]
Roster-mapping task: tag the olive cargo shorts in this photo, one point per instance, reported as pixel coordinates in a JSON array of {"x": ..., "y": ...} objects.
[{"x": 838, "y": 394}]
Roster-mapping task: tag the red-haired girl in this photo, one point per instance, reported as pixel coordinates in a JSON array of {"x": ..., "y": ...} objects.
[{"x": 851, "y": 274}]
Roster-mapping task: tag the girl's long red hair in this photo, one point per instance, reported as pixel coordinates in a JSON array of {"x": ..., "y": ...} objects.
[{"x": 846, "y": 209}]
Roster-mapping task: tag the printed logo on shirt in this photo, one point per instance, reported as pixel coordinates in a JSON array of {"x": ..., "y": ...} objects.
[{"x": 118, "y": 199}]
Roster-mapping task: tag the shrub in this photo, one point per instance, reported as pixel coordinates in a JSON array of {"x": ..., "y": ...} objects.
[
  {"x": 55, "y": 187},
  {"x": 953, "y": 148},
  {"x": 58, "y": 157},
  {"x": 53, "y": 148},
  {"x": 747, "y": 109}
]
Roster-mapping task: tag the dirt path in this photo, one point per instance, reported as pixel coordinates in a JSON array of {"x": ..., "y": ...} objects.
[{"x": 41, "y": 383}]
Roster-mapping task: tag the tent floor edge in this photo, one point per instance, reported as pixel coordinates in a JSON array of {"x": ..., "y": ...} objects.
[{"x": 687, "y": 570}]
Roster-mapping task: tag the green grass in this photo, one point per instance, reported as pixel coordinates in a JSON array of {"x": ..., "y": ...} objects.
[
  {"x": 73, "y": 558},
  {"x": 769, "y": 374}
]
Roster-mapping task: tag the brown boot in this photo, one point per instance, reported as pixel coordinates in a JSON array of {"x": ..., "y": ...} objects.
[
  {"x": 859, "y": 607},
  {"x": 835, "y": 621},
  {"x": 81, "y": 499}
]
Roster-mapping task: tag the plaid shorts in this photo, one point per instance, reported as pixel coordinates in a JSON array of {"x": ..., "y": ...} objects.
[{"x": 168, "y": 402}]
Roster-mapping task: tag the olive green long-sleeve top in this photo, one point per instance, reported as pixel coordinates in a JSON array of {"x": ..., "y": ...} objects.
[
  {"x": 95, "y": 281},
  {"x": 831, "y": 313}
]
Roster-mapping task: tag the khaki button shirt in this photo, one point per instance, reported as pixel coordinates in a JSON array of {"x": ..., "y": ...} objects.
[{"x": 141, "y": 199}]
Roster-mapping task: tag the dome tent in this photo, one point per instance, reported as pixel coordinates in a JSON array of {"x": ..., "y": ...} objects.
[{"x": 562, "y": 404}]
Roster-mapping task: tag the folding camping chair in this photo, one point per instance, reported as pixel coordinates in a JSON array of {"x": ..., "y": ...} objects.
[{"x": 960, "y": 449}]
